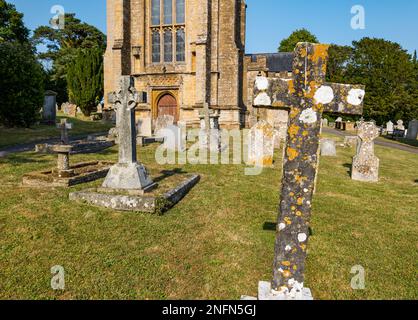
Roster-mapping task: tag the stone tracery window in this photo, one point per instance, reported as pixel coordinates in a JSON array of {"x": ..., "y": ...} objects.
[{"x": 168, "y": 36}]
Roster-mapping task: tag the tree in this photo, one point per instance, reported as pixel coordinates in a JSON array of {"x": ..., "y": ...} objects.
[
  {"x": 339, "y": 59},
  {"x": 21, "y": 85},
  {"x": 388, "y": 72},
  {"x": 85, "y": 79},
  {"x": 301, "y": 35},
  {"x": 12, "y": 27},
  {"x": 62, "y": 48}
]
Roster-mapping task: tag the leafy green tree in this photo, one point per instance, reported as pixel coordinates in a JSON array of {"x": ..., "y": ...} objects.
[
  {"x": 62, "y": 48},
  {"x": 12, "y": 27},
  {"x": 388, "y": 72},
  {"x": 301, "y": 35},
  {"x": 85, "y": 79},
  {"x": 21, "y": 85}
]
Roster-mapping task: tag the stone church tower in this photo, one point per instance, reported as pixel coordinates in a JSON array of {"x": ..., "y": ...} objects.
[{"x": 183, "y": 53}]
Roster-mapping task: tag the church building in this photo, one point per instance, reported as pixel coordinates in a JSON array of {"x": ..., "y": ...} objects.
[{"x": 183, "y": 54}]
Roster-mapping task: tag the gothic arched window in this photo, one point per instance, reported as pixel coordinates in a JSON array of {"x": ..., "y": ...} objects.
[{"x": 168, "y": 36}]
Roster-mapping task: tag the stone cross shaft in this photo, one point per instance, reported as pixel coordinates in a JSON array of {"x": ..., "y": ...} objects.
[
  {"x": 124, "y": 102},
  {"x": 64, "y": 126},
  {"x": 307, "y": 96}
]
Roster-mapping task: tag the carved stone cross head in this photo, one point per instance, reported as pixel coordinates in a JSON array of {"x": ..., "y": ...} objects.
[
  {"x": 127, "y": 96},
  {"x": 368, "y": 131}
]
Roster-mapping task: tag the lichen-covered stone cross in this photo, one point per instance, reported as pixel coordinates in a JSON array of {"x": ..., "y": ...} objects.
[
  {"x": 124, "y": 102},
  {"x": 308, "y": 96}
]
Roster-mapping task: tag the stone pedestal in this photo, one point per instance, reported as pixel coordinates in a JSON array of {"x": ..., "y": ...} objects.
[{"x": 63, "y": 164}]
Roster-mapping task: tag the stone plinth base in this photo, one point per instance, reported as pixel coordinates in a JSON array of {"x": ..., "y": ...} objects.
[
  {"x": 81, "y": 173},
  {"x": 127, "y": 201},
  {"x": 265, "y": 293},
  {"x": 131, "y": 176}
]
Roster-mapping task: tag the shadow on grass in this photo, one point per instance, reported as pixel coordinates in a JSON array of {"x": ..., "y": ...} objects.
[
  {"x": 349, "y": 166},
  {"x": 404, "y": 141},
  {"x": 269, "y": 226},
  {"x": 20, "y": 158},
  {"x": 169, "y": 173}
]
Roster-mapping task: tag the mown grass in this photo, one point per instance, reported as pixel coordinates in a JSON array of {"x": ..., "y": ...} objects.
[
  {"x": 81, "y": 126},
  {"x": 217, "y": 243}
]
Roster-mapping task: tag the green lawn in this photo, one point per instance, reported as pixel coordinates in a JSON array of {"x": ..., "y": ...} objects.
[
  {"x": 217, "y": 243},
  {"x": 81, "y": 126}
]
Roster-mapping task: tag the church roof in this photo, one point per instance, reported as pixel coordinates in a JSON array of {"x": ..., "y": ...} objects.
[{"x": 277, "y": 62}]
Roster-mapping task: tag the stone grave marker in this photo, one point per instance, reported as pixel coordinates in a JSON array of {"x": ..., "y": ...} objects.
[
  {"x": 399, "y": 125},
  {"x": 64, "y": 126},
  {"x": 209, "y": 137},
  {"x": 163, "y": 122},
  {"x": 145, "y": 127},
  {"x": 261, "y": 143},
  {"x": 128, "y": 185},
  {"x": 389, "y": 127},
  {"x": 365, "y": 163},
  {"x": 49, "y": 110},
  {"x": 127, "y": 173},
  {"x": 308, "y": 96},
  {"x": 328, "y": 148},
  {"x": 350, "y": 141},
  {"x": 412, "y": 130},
  {"x": 173, "y": 138}
]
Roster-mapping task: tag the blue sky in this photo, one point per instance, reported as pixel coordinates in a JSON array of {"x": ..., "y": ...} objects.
[{"x": 269, "y": 21}]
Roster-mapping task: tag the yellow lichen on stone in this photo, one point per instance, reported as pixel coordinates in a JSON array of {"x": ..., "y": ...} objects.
[
  {"x": 320, "y": 52},
  {"x": 293, "y": 130},
  {"x": 291, "y": 87},
  {"x": 292, "y": 153}
]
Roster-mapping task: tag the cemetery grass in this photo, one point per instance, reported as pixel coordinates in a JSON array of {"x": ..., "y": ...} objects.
[
  {"x": 81, "y": 126},
  {"x": 215, "y": 244}
]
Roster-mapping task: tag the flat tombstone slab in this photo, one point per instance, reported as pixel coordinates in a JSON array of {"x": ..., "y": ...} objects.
[
  {"x": 365, "y": 163},
  {"x": 163, "y": 122},
  {"x": 328, "y": 148},
  {"x": 82, "y": 173},
  {"x": 412, "y": 130},
  {"x": 173, "y": 138},
  {"x": 149, "y": 203},
  {"x": 261, "y": 144}
]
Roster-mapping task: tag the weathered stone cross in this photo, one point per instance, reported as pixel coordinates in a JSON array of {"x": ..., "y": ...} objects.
[
  {"x": 308, "y": 96},
  {"x": 125, "y": 101},
  {"x": 64, "y": 126},
  {"x": 127, "y": 174}
]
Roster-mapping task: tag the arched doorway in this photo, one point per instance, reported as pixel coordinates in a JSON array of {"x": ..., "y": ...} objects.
[{"x": 167, "y": 105}]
